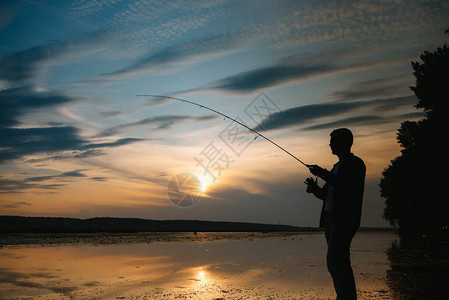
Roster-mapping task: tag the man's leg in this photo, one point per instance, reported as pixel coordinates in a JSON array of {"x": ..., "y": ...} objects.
[{"x": 338, "y": 260}]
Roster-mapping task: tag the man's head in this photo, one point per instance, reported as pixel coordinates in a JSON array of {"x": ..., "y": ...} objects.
[{"x": 341, "y": 141}]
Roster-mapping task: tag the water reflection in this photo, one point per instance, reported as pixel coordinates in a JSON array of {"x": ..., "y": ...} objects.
[
  {"x": 419, "y": 270},
  {"x": 281, "y": 267}
]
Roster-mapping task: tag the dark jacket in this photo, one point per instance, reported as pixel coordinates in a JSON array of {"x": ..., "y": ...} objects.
[{"x": 348, "y": 186}]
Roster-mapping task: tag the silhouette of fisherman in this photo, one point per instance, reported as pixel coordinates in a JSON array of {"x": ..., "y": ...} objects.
[{"x": 342, "y": 203}]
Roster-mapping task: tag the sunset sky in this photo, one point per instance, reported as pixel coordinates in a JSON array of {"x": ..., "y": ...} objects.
[{"x": 75, "y": 140}]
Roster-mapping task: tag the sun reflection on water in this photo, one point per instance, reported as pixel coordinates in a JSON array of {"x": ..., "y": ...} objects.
[{"x": 235, "y": 269}]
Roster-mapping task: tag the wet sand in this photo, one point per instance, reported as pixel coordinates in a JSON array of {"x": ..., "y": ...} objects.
[{"x": 186, "y": 266}]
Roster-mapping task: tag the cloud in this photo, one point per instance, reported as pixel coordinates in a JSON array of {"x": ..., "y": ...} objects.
[
  {"x": 356, "y": 23},
  {"x": 57, "y": 181},
  {"x": 380, "y": 87},
  {"x": 15, "y": 186},
  {"x": 99, "y": 178},
  {"x": 174, "y": 57},
  {"x": 298, "y": 67},
  {"x": 16, "y": 102},
  {"x": 64, "y": 156},
  {"x": 303, "y": 114},
  {"x": 287, "y": 69},
  {"x": 117, "y": 143},
  {"x": 365, "y": 120},
  {"x": 144, "y": 25},
  {"x": 19, "y": 142},
  {"x": 388, "y": 104},
  {"x": 110, "y": 114},
  {"x": 54, "y": 138},
  {"x": 18, "y": 97},
  {"x": 23, "y": 68},
  {"x": 413, "y": 115},
  {"x": 268, "y": 76},
  {"x": 70, "y": 174},
  {"x": 161, "y": 122},
  {"x": 358, "y": 120},
  {"x": 16, "y": 204}
]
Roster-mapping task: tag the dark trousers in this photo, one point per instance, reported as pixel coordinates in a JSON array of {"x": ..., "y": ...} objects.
[{"x": 339, "y": 238}]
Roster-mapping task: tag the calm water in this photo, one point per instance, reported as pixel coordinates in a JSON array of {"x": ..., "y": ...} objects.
[{"x": 207, "y": 266}]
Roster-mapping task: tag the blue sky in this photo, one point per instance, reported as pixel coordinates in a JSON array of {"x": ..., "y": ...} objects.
[{"x": 76, "y": 141}]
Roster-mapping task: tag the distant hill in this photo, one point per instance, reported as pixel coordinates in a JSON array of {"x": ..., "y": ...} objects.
[{"x": 17, "y": 224}]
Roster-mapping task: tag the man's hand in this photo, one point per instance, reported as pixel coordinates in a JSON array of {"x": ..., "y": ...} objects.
[
  {"x": 312, "y": 185},
  {"x": 317, "y": 171}
]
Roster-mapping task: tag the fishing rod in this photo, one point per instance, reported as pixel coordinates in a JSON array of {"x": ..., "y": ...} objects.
[{"x": 227, "y": 117}]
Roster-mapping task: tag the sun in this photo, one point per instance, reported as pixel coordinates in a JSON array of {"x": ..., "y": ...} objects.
[{"x": 205, "y": 184}]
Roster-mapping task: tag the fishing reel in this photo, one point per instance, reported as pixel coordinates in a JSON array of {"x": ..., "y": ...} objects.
[{"x": 311, "y": 181}]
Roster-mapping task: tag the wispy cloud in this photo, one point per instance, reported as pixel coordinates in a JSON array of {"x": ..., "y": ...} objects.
[
  {"x": 296, "y": 68},
  {"x": 174, "y": 57},
  {"x": 355, "y": 22},
  {"x": 161, "y": 122},
  {"x": 117, "y": 143},
  {"x": 16, "y": 204},
  {"x": 16, "y": 102},
  {"x": 302, "y": 115},
  {"x": 358, "y": 120},
  {"x": 268, "y": 76},
  {"x": 99, "y": 178},
  {"x": 141, "y": 26},
  {"x": 47, "y": 182},
  {"x": 70, "y": 174},
  {"x": 13, "y": 186},
  {"x": 365, "y": 120},
  {"x": 26, "y": 67},
  {"x": 16, "y": 186},
  {"x": 379, "y": 87},
  {"x": 20, "y": 142}
]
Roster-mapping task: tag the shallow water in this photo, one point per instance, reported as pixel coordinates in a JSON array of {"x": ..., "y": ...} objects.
[{"x": 205, "y": 266}]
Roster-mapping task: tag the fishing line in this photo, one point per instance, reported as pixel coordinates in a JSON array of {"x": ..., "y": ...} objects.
[{"x": 227, "y": 117}]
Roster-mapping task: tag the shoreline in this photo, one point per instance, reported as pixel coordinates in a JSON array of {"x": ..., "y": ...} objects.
[{"x": 97, "y": 238}]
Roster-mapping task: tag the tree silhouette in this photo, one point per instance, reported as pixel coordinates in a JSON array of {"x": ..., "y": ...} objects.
[{"x": 416, "y": 183}]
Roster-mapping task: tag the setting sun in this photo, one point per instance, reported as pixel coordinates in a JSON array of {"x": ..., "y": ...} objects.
[{"x": 205, "y": 183}]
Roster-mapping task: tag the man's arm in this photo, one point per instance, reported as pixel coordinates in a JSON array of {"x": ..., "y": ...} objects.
[
  {"x": 322, "y": 173},
  {"x": 352, "y": 172},
  {"x": 350, "y": 178}
]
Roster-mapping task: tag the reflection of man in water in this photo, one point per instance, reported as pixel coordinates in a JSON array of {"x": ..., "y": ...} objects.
[{"x": 340, "y": 216}]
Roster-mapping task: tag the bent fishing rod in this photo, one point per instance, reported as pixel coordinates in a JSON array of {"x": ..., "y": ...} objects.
[{"x": 227, "y": 117}]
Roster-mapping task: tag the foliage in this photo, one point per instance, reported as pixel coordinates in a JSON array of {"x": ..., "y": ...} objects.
[{"x": 415, "y": 184}]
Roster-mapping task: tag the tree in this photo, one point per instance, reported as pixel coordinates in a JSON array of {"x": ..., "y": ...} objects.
[{"x": 416, "y": 183}]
